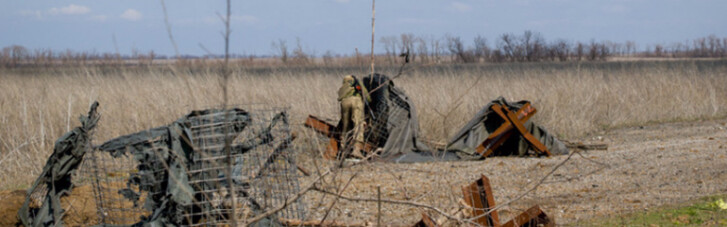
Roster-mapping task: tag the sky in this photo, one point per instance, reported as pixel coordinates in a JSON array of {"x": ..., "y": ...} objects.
[{"x": 341, "y": 26}]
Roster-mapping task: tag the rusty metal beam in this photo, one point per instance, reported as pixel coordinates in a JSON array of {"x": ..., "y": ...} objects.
[
  {"x": 321, "y": 126},
  {"x": 502, "y": 133},
  {"x": 513, "y": 119},
  {"x": 328, "y": 130},
  {"x": 533, "y": 217},
  {"x": 479, "y": 196},
  {"x": 426, "y": 222}
]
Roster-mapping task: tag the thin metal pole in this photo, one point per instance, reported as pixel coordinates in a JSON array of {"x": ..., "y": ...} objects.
[{"x": 373, "y": 29}]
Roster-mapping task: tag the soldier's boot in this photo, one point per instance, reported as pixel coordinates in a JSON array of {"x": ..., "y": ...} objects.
[{"x": 357, "y": 148}]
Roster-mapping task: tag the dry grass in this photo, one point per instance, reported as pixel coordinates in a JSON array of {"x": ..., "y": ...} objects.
[{"x": 38, "y": 106}]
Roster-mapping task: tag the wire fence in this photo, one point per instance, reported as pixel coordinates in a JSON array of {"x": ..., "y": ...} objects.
[{"x": 199, "y": 171}]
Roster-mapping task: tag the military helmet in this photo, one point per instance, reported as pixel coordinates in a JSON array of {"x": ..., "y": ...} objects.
[{"x": 348, "y": 79}]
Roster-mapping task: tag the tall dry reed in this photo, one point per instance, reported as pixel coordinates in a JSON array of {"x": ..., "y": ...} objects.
[{"x": 573, "y": 100}]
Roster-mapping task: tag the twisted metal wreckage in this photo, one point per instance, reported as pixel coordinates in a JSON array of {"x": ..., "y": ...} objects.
[
  {"x": 214, "y": 166},
  {"x": 500, "y": 128},
  {"x": 178, "y": 171}
]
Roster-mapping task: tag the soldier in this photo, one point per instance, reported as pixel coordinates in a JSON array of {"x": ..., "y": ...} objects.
[{"x": 351, "y": 95}]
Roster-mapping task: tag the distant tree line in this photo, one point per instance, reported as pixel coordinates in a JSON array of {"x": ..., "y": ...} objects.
[
  {"x": 527, "y": 47},
  {"x": 533, "y": 47}
]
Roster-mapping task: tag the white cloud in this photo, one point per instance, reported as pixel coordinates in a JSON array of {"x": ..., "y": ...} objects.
[
  {"x": 131, "y": 14},
  {"x": 461, "y": 7},
  {"x": 70, "y": 10}
]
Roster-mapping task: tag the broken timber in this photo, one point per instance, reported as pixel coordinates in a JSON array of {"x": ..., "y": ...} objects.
[
  {"x": 333, "y": 134},
  {"x": 513, "y": 124}
]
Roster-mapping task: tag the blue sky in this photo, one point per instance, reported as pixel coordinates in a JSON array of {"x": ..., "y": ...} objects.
[{"x": 343, "y": 25}]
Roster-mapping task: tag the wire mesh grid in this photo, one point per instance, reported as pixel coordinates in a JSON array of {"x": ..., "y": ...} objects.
[
  {"x": 388, "y": 114},
  {"x": 134, "y": 184}
]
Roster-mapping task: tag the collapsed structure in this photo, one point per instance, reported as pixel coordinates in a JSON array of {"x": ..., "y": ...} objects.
[
  {"x": 226, "y": 166},
  {"x": 500, "y": 128},
  {"x": 209, "y": 167}
]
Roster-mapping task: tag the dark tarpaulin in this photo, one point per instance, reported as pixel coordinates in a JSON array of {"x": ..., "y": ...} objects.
[
  {"x": 394, "y": 127},
  {"x": 486, "y": 121},
  {"x": 56, "y": 176},
  {"x": 171, "y": 191},
  {"x": 169, "y": 147}
]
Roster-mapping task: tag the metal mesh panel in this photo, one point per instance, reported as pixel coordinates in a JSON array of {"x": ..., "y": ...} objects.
[
  {"x": 260, "y": 157},
  {"x": 112, "y": 178},
  {"x": 390, "y": 113}
]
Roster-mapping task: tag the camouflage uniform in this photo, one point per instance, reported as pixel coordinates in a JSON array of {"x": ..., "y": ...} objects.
[{"x": 352, "y": 112}]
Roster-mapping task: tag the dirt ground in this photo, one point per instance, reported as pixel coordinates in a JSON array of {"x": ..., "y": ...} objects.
[{"x": 643, "y": 168}]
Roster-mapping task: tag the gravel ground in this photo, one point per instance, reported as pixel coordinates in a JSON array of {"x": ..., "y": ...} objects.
[{"x": 643, "y": 168}]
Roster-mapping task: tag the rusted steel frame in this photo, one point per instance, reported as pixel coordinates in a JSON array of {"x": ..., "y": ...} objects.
[
  {"x": 327, "y": 130},
  {"x": 502, "y": 133},
  {"x": 321, "y": 126},
  {"x": 426, "y": 222},
  {"x": 480, "y": 197},
  {"x": 513, "y": 119},
  {"x": 330, "y": 131},
  {"x": 531, "y": 218}
]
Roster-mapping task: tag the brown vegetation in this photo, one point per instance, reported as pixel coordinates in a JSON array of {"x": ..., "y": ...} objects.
[{"x": 572, "y": 99}]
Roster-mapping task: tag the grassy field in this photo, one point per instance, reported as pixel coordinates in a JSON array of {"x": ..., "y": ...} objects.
[
  {"x": 702, "y": 212},
  {"x": 573, "y": 99}
]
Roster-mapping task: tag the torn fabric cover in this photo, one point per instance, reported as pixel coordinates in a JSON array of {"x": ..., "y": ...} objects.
[
  {"x": 394, "y": 126},
  {"x": 486, "y": 121},
  {"x": 172, "y": 148},
  {"x": 56, "y": 176}
]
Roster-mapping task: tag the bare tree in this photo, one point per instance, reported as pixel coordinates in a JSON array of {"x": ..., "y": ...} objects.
[
  {"x": 562, "y": 49},
  {"x": 299, "y": 54},
  {"x": 507, "y": 46},
  {"x": 281, "y": 47},
  {"x": 658, "y": 50},
  {"x": 16, "y": 54},
  {"x": 481, "y": 51},
  {"x": 407, "y": 45},
  {"x": 593, "y": 51},
  {"x": 630, "y": 47},
  {"x": 436, "y": 46},
  {"x": 328, "y": 58},
  {"x": 422, "y": 50},
  {"x": 389, "y": 43},
  {"x": 456, "y": 48}
]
